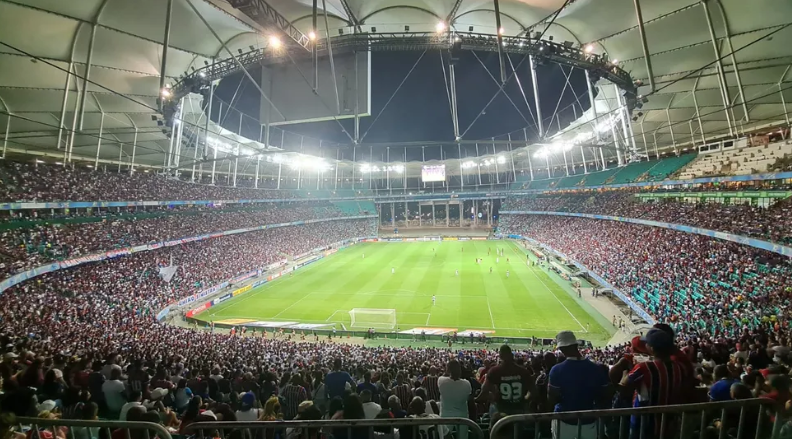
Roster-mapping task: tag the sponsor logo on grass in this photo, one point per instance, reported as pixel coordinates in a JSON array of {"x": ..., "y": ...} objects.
[
  {"x": 232, "y": 321},
  {"x": 271, "y": 324},
  {"x": 429, "y": 331},
  {"x": 475, "y": 332}
]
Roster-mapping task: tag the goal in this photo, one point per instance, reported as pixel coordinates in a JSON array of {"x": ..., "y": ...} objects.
[{"x": 373, "y": 318}]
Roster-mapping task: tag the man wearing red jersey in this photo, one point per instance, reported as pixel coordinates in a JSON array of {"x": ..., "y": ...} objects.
[{"x": 507, "y": 385}]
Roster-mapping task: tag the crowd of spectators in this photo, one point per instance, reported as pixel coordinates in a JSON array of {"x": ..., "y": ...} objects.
[
  {"x": 49, "y": 183},
  {"x": 773, "y": 223},
  {"x": 696, "y": 282},
  {"x": 44, "y": 241}
]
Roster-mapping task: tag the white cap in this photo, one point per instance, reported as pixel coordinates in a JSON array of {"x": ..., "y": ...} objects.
[
  {"x": 46, "y": 406},
  {"x": 159, "y": 393},
  {"x": 566, "y": 338}
]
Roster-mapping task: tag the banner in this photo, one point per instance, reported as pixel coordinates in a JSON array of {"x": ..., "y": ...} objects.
[
  {"x": 222, "y": 299},
  {"x": 163, "y": 313},
  {"x": 239, "y": 291},
  {"x": 243, "y": 277},
  {"x": 199, "y": 309}
]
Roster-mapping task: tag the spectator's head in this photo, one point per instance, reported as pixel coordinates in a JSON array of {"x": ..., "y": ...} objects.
[
  {"x": 659, "y": 343},
  {"x": 417, "y": 406},
  {"x": 248, "y": 400},
  {"x": 721, "y": 372},
  {"x": 353, "y": 407},
  {"x": 454, "y": 369},
  {"x": 272, "y": 409},
  {"x": 135, "y": 395},
  {"x": 335, "y": 405},
  {"x": 337, "y": 364},
  {"x": 394, "y": 403},
  {"x": 567, "y": 343},
  {"x": 740, "y": 391},
  {"x": 505, "y": 354}
]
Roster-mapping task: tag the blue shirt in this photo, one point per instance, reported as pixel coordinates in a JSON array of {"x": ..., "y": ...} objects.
[
  {"x": 581, "y": 383},
  {"x": 335, "y": 383},
  {"x": 721, "y": 390}
]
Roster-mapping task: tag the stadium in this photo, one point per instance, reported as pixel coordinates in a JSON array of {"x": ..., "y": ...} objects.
[{"x": 363, "y": 218}]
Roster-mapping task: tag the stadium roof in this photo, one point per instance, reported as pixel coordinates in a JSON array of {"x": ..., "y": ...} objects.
[{"x": 41, "y": 37}]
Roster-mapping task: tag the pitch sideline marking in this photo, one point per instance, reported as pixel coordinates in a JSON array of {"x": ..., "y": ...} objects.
[
  {"x": 583, "y": 328},
  {"x": 516, "y": 249},
  {"x": 492, "y": 320}
]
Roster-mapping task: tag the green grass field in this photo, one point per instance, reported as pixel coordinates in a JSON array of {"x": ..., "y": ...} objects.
[{"x": 530, "y": 302}]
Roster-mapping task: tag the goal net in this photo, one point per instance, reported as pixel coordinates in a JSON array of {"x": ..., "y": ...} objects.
[{"x": 373, "y": 318}]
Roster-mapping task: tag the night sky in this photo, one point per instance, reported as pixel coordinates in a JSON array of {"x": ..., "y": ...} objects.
[{"x": 420, "y": 110}]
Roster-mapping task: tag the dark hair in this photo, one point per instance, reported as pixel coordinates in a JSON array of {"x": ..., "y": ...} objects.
[
  {"x": 335, "y": 405},
  {"x": 89, "y": 412},
  {"x": 353, "y": 407}
]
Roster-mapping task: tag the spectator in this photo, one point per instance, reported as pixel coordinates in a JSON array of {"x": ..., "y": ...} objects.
[
  {"x": 662, "y": 381},
  {"x": 721, "y": 390},
  {"x": 370, "y": 408},
  {"x": 576, "y": 384},
  {"x": 455, "y": 394},
  {"x": 114, "y": 391},
  {"x": 248, "y": 412},
  {"x": 337, "y": 380}
]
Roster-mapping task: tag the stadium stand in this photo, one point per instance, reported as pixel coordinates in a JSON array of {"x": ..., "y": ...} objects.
[
  {"x": 771, "y": 224},
  {"x": 702, "y": 284},
  {"x": 600, "y": 178},
  {"x": 31, "y": 243},
  {"x": 570, "y": 181},
  {"x": 632, "y": 172},
  {"x": 665, "y": 168},
  {"x": 738, "y": 161}
]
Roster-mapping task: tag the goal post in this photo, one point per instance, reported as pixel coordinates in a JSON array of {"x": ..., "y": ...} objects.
[{"x": 373, "y": 318}]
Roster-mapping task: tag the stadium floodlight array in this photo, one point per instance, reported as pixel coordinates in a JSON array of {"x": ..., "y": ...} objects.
[{"x": 373, "y": 318}]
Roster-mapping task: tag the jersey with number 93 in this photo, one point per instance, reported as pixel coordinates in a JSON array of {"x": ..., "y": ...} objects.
[{"x": 511, "y": 383}]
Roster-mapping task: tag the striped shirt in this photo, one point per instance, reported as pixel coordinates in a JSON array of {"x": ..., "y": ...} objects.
[
  {"x": 404, "y": 392},
  {"x": 432, "y": 389},
  {"x": 660, "y": 383},
  {"x": 292, "y": 397}
]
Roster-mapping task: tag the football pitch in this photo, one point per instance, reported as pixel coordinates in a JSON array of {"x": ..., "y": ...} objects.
[{"x": 529, "y": 302}]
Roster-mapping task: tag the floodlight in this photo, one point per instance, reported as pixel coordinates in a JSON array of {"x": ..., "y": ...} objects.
[
  {"x": 312, "y": 35},
  {"x": 614, "y": 61},
  {"x": 440, "y": 26},
  {"x": 501, "y": 30},
  {"x": 202, "y": 74},
  {"x": 166, "y": 93},
  {"x": 274, "y": 42},
  {"x": 589, "y": 48}
]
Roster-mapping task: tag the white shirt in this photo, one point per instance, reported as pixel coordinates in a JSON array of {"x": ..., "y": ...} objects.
[
  {"x": 114, "y": 394},
  {"x": 248, "y": 416},
  {"x": 454, "y": 395},
  {"x": 125, "y": 409},
  {"x": 371, "y": 409}
]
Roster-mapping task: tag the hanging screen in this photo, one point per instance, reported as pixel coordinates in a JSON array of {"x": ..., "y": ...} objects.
[{"x": 433, "y": 173}]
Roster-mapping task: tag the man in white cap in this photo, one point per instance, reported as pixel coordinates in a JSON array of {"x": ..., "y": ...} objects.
[{"x": 576, "y": 384}]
